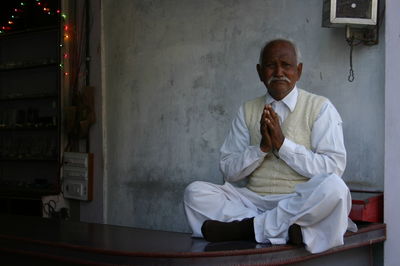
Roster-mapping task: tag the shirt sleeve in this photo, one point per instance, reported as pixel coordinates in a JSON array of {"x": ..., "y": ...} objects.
[
  {"x": 328, "y": 154},
  {"x": 238, "y": 159}
]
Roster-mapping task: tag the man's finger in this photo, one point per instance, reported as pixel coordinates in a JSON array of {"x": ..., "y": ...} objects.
[
  {"x": 270, "y": 124},
  {"x": 272, "y": 113},
  {"x": 275, "y": 116},
  {"x": 263, "y": 113}
]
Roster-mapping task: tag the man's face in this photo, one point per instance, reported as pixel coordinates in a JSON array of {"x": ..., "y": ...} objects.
[{"x": 279, "y": 70}]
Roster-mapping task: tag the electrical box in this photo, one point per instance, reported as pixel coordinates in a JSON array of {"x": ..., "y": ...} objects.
[
  {"x": 355, "y": 13},
  {"x": 78, "y": 176}
]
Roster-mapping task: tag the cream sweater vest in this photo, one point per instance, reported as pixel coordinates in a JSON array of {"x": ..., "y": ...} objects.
[{"x": 274, "y": 176}]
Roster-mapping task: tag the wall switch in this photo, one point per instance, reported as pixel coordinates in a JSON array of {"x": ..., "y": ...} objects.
[
  {"x": 74, "y": 189},
  {"x": 78, "y": 175}
]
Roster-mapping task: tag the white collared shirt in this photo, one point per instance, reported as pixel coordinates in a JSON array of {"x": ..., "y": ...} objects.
[{"x": 239, "y": 159}]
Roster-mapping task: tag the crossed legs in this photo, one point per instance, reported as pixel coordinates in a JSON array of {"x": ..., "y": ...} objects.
[{"x": 320, "y": 207}]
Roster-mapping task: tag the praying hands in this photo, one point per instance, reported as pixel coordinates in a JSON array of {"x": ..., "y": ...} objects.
[{"x": 271, "y": 133}]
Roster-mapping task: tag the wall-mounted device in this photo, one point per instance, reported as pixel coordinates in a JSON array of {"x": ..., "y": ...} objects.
[
  {"x": 355, "y": 13},
  {"x": 359, "y": 17},
  {"x": 78, "y": 176}
]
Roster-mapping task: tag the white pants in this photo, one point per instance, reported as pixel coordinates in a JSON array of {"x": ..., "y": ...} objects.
[{"x": 320, "y": 206}]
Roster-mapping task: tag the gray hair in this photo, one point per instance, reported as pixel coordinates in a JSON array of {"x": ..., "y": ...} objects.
[{"x": 296, "y": 49}]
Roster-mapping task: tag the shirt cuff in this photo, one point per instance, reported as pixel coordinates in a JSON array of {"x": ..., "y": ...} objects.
[
  {"x": 288, "y": 147},
  {"x": 259, "y": 152}
]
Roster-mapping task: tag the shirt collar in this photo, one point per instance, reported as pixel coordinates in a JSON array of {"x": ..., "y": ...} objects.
[{"x": 290, "y": 100}]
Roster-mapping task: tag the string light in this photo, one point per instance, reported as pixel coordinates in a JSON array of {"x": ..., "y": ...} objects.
[
  {"x": 21, "y": 8},
  {"x": 43, "y": 5},
  {"x": 66, "y": 34},
  {"x": 18, "y": 12},
  {"x": 65, "y": 64}
]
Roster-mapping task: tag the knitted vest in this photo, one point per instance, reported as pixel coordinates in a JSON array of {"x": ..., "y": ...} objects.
[{"x": 274, "y": 176}]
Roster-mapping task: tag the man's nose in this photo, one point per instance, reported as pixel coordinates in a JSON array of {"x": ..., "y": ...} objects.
[{"x": 278, "y": 71}]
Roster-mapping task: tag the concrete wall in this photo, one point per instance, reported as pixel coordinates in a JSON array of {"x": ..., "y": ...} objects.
[
  {"x": 95, "y": 210},
  {"x": 175, "y": 73},
  {"x": 392, "y": 132}
]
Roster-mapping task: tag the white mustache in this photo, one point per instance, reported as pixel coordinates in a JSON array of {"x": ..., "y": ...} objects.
[{"x": 284, "y": 78}]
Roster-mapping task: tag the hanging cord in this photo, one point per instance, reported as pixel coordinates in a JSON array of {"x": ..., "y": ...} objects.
[
  {"x": 368, "y": 40},
  {"x": 351, "y": 71}
]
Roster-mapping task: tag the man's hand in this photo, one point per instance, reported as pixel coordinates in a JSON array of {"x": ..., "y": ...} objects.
[
  {"x": 266, "y": 144},
  {"x": 274, "y": 128}
]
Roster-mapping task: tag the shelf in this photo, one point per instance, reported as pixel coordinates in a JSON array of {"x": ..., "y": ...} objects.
[
  {"x": 31, "y": 30},
  {"x": 18, "y": 97},
  {"x": 28, "y": 65},
  {"x": 11, "y": 192},
  {"x": 25, "y": 128},
  {"x": 11, "y": 159},
  {"x": 30, "y": 103}
]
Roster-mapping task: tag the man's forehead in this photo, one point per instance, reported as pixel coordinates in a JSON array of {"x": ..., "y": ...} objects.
[
  {"x": 279, "y": 43},
  {"x": 280, "y": 52},
  {"x": 280, "y": 47}
]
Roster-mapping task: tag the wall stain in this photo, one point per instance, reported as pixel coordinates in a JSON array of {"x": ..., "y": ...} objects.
[
  {"x": 212, "y": 59},
  {"x": 205, "y": 146},
  {"x": 199, "y": 82},
  {"x": 217, "y": 109}
]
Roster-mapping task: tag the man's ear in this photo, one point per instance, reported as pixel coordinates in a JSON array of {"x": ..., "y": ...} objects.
[
  {"x": 259, "y": 71},
  {"x": 299, "y": 70}
]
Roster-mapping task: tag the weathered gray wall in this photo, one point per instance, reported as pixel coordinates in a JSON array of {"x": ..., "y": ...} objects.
[
  {"x": 176, "y": 72},
  {"x": 392, "y": 132}
]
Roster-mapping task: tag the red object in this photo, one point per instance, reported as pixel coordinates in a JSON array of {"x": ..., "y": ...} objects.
[{"x": 367, "y": 206}]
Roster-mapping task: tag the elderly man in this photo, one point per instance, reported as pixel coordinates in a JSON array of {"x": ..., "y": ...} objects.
[{"x": 289, "y": 145}]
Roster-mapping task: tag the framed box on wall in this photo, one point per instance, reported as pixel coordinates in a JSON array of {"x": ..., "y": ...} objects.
[{"x": 339, "y": 13}]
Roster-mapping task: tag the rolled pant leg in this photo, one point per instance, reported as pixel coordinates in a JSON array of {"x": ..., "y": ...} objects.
[{"x": 207, "y": 201}]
